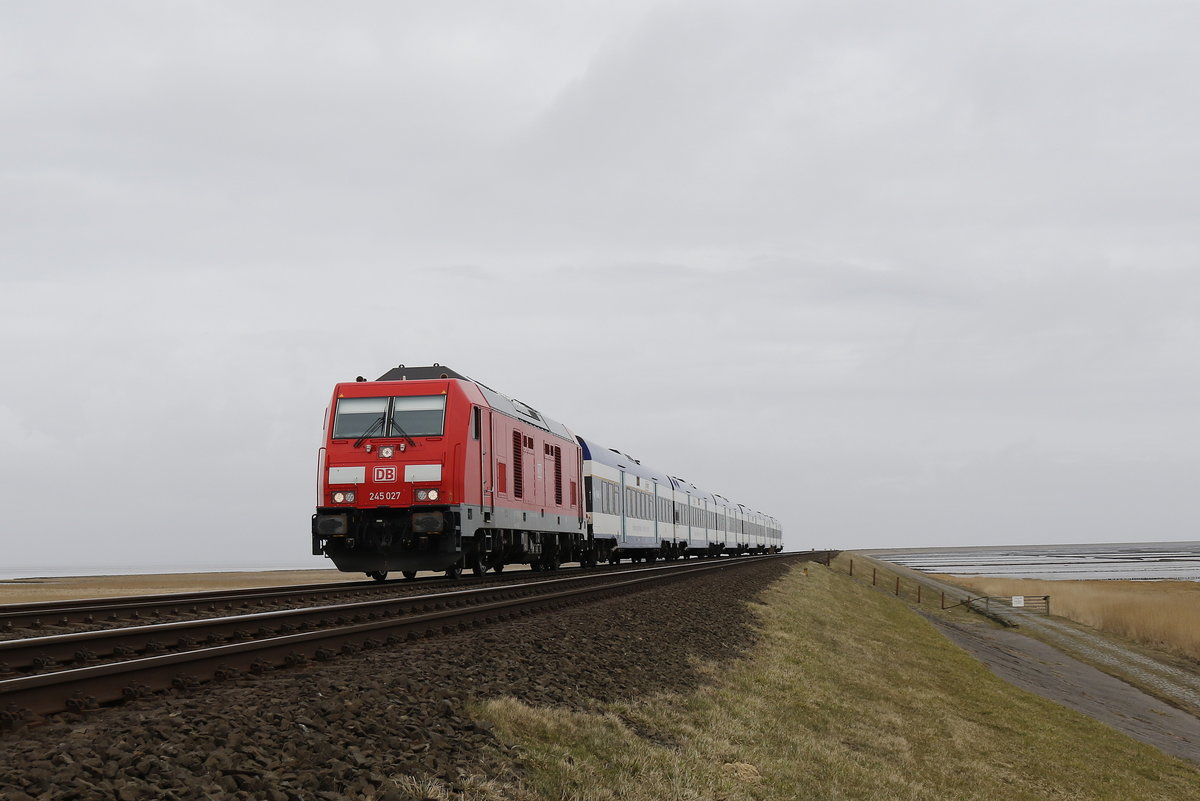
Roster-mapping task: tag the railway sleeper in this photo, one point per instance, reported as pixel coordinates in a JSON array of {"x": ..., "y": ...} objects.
[
  {"x": 80, "y": 703},
  {"x": 225, "y": 672},
  {"x": 85, "y": 656}
]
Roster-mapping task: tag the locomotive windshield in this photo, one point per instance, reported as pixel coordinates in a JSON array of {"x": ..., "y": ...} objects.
[
  {"x": 413, "y": 416},
  {"x": 419, "y": 416}
]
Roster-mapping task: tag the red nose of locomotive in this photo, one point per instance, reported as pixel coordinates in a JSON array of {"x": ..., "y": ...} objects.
[
  {"x": 389, "y": 480},
  {"x": 389, "y": 474}
]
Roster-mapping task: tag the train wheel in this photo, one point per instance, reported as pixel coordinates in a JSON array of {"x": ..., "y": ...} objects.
[
  {"x": 454, "y": 571},
  {"x": 409, "y": 574},
  {"x": 478, "y": 566},
  {"x": 378, "y": 575}
]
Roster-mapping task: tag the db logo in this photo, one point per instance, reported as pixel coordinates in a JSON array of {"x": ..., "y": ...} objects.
[{"x": 386, "y": 473}]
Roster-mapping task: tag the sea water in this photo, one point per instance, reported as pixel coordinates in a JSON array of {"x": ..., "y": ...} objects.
[{"x": 1141, "y": 561}]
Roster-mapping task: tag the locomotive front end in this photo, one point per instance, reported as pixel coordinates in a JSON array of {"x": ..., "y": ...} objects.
[{"x": 391, "y": 478}]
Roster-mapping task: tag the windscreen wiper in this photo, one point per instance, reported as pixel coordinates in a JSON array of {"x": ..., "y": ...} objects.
[
  {"x": 393, "y": 424},
  {"x": 367, "y": 433}
]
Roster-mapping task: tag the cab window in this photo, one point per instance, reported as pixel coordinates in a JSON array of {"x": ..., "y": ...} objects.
[
  {"x": 412, "y": 416},
  {"x": 419, "y": 416},
  {"x": 356, "y": 416}
]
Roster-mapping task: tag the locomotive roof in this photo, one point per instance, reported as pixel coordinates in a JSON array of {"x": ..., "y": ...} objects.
[{"x": 499, "y": 402}]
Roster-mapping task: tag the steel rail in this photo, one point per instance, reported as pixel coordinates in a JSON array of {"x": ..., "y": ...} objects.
[
  {"x": 92, "y": 604},
  {"x": 32, "y": 654},
  {"x": 26, "y": 697},
  {"x": 90, "y": 610},
  {"x": 94, "y": 610}
]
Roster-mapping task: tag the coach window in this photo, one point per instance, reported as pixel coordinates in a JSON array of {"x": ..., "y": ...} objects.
[
  {"x": 357, "y": 416},
  {"x": 418, "y": 416}
]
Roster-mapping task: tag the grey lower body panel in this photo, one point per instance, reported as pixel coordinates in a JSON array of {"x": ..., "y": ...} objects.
[{"x": 439, "y": 537}]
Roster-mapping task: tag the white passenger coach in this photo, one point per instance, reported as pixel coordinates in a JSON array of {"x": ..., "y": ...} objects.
[{"x": 643, "y": 514}]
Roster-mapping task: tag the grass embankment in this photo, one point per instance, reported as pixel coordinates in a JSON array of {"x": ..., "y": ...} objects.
[
  {"x": 1160, "y": 614},
  {"x": 848, "y": 695}
]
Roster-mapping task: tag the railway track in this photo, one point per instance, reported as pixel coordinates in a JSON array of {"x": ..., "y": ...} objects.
[
  {"x": 84, "y": 670},
  {"x": 29, "y": 619}
]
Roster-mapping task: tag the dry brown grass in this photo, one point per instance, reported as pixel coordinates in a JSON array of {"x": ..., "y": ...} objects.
[
  {"x": 59, "y": 588},
  {"x": 1161, "y": 614}
]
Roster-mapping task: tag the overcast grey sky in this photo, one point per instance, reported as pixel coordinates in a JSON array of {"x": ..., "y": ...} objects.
[{"x": 900, "y": 274}]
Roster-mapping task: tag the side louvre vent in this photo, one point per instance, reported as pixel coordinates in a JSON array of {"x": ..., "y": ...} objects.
[
  {"x": 518, "y": 465},
  {"x": 558, "y": 475}
]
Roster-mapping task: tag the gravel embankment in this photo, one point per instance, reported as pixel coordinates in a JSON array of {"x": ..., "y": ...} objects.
[{"x": 348, "y": 728}]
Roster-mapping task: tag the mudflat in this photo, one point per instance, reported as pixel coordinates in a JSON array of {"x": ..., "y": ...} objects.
[{"x": 61, "y": 588}]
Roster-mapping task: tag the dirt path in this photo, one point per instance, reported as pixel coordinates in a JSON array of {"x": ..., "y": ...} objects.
[
  {"x": 1053, "y": 671},
  {"x": 1043, "y": 669},
  {"x": 1179, "y": 686}
]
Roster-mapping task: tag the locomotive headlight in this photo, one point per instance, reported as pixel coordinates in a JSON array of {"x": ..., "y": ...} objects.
[
  {"x": 422, "y": 495},
  {"x": 339, "y": 497},
  {"x": 387, "y": 452},
  {"x": 349, "y": 497},
  {"x": 433, "y": 495}
]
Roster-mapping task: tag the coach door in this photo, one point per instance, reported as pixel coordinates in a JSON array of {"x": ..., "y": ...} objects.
[
  {"x": 691, "y": 513},
  {"x": 621, "y": 506},
  {"x": 654, "y": 511},
  {"x": 481, "y": 430}
]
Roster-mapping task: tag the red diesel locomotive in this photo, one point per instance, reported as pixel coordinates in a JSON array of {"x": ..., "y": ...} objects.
[{"x": 426, "y": 469}]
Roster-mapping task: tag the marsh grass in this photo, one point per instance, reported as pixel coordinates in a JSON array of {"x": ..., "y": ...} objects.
[
  {"x": 848, "y": 695},
  {"x": 1160, "y": 614}
]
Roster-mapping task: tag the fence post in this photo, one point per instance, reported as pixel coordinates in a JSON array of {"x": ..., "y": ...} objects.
[
  {"x": 873, "y": 575},
  {"x": 918, "y": 593},
  {"x": 897, "y": 585},
  {"x": 1047, "y": 606},
  {"x": 851, "y": 567},
  {"x": 943, "y": 599}
]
